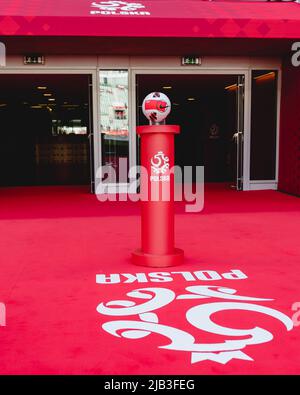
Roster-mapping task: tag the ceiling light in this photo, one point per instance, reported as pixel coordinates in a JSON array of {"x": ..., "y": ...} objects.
[
  {"x": 232, "y": 87},
  {"x": 41, "y": 88},
  {"x": 191, "y": 99},
  {"x": 47, "y": 94},
  {"x": 167, "y": 87},
  {"x": 35, "y": 106},
  {"x": 51, "y": 99},
  {"x": 268, "y": 76}
]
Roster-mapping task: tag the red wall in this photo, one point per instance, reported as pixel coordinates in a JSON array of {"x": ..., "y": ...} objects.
[{"x": 289, "y": 156}]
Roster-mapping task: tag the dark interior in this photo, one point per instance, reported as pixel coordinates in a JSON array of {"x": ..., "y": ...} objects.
[
  {"x": 45, "y": 124},
  {"x": 263, "y": 125},
  {"x": 205, "y": 108}
]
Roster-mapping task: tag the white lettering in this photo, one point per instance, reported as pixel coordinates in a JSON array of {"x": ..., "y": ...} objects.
[
  {"x": 234, "y": 274},
  {"x": 155, "y": 277},
  {"x": 118, "y": 8},
  {"x": 111, "y": 279},
  {"x": 121, "y": 385},
  {"x": 186, "y": 275},
  {"x": 207, "y": 275},
  {"x": 131, "y": 278},
  {"x": 159, "y": 277}
]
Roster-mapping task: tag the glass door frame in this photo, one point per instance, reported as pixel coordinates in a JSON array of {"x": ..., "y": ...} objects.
[
  {"x": 245, "y": 72},
  {"x": 113, "y": 188},
  {"x": 273, "y": 183},
  {"x": 92, "y": 87},
  {"x": 240, "y": 115}
]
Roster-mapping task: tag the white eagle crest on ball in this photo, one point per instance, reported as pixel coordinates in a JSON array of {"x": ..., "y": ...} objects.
[{"x": 156, "y": 107}]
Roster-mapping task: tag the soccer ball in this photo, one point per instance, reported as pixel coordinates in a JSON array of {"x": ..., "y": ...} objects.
[{"x": 156, "y": 107}]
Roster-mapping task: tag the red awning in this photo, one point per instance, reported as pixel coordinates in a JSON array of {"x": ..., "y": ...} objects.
[{"x": 156, "y": 18}]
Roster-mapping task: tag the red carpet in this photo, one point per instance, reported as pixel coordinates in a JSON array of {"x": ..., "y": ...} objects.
[{"x": 54, "y": 241}]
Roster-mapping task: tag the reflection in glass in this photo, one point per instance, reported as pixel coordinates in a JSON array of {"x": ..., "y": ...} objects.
[
  {"x": 263, "y": 125},
  {"x": 114, "y": 122},
  {"x": 47, "y": 125}
]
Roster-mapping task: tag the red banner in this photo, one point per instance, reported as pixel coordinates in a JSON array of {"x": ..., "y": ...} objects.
[{"x": 149, "y": 18}]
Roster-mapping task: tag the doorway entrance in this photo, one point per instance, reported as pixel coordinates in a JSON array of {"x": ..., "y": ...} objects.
[
  {"x": 210, "y": 111},
  {"x": 45, "y": 130}
]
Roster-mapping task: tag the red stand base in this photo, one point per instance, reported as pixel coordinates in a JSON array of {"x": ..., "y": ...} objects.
[{"x": 151, "y": 260}]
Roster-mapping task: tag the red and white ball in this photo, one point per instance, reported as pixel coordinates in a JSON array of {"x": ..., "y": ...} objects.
[{"x": 156, "y": 107}]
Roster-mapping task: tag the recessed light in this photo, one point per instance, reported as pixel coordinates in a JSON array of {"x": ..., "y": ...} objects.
[
  {"x": 167, "y": 87},
  {"x": 270, "y": 75},
  {"x": 191, "y": 99},
  {"x": 47, "y": 94},
  {"x": 231, "y": 87},
  {"x": 51, "y": 99},
  {"x": 41, "y": 88}
]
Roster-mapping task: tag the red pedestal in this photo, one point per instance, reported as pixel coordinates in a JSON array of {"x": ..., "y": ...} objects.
[{"x": 157, "y": 192}]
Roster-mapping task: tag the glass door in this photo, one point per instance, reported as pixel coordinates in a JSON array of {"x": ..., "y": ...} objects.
[
  {"x": 239, "y": 135},
  {"x": 263, "y": 153},
  {"x": 210, "y": 110},
  {"x": 91, "y": 134},
  {"x": 114, "y": 125}
]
